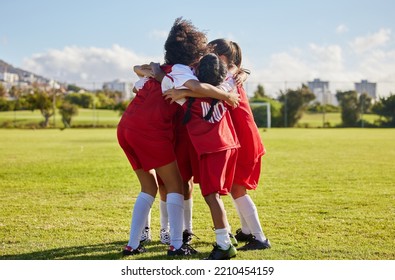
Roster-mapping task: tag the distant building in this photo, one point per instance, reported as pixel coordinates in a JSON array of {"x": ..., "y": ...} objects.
[
  {"x": 365, "y": 87},
  {"x": 321, "y": 91},
  {"x": 10, "y": 78},
  {"x": 124, "y": 87}
]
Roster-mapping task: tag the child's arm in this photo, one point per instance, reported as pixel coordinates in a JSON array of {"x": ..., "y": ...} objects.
[
  {"x": 157, "y": 72},
  {"x": 143, "y": 70},
  {"x": 241, "y": 76},
  {"x": 198, "y": 89}
]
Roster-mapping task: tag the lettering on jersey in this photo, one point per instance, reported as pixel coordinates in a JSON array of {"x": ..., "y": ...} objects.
[{"x": 218, "y": 112}]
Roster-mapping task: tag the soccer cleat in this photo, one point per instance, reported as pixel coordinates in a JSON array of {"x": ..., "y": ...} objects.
[
  {"x": 146, "y": 235},
  {"x": 128, "y": 251},
  {"x": 233, "y": 240},
  {"x": 164, "y": 236},
  {"x": 255, "y": 244},
  {"x": 241, "y": 236},
  {"x": 184, "y": 250},
  {"x": 218, "y": 254},
  {"x": 187, "y": 236}
]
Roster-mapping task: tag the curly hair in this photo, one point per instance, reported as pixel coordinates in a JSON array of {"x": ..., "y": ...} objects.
[
  {"x": 211, "y": 70},
  {"x": 185, "y": 44}
]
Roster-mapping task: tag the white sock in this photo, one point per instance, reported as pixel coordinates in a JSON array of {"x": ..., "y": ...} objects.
[
  {"x": 222, "y": 238},
  {"x": 148, "y": 221},
  {"x": 244, "y": 227},
  {"x": 141, "y": 209},
  {"x": 175, "y": 209},
  {"x": 188, "y": 205},
  {"x": 250, "y": 214},
  {"x": 164, "y": 217}
]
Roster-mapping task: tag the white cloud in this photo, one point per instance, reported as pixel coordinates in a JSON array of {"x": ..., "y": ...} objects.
[
  {"x": 371, "y": 41},
  {"x": 333, "y": 63},
  {"x": 85, "y": 66},
  {"x": 327, "y": 58},
  {"x": 341, "y": 29},
  {"x": 290, "y": 68}
]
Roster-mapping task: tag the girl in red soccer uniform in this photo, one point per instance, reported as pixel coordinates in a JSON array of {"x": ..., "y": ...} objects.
[
  {"x": 213, "y": 137},
  {"x": 249, "y": 157},
  {"x": 145, "y": 133},
  {"x": 251, "y": 150}
]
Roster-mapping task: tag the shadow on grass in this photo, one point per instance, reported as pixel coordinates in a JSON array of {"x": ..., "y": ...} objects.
[{"x": 105, "y": 251}]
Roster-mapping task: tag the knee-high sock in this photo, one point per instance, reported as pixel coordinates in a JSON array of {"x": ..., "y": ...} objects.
[
  {"x": 175, "y": 209},
  {"x": 139, "y": 217},
  {"x": 250, "y": 214},
  {"x": 164, "y": 217},
  {"x": 148, "y": 221},
  {"x": 244, "y": 227},
  {"x": 188, "y": 205}
]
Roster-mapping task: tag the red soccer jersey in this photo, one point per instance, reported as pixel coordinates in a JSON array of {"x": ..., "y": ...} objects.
[
  {"x": 213, "y": 135},
  {"x": 146, "y": 128},
  {"x": 251, "y": 147}
]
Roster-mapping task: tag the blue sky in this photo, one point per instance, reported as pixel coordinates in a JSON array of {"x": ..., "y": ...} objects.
[{"x": 284, "y": 43}]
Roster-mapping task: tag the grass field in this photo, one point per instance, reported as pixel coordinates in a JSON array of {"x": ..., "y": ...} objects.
[
  {"x": 85, "y": 117},
  {"x": 110, "y": 118},
  {"x": 324, "y": 194}
]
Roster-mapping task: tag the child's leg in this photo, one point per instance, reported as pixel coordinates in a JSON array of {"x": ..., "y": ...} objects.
[
  {"x": 188, "y": 205},
  {"x": 220, "y": 220},
  {"x": 164, "y": 217},
  {"x": 239, "y": 191},
  {"x": 142, "y": 206},
  {"x": 248, "y": 211},
  {"x": 174, "y": 200}
]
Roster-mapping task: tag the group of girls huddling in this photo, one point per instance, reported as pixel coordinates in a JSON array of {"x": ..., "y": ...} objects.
[{"x": 190, "y": 122}]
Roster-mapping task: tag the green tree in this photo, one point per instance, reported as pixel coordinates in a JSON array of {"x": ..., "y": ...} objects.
[
  {"x": 364, "y": 103},
  {"x": 350, "y": 108},
  {"x": 385, "y": 108},
  {"x": 83, "y": 100},
  {"x": 259, "y": 93},
  {"x": 295, "y": 103},
  {"x": 43, "y": 101},
  {"x": 67, "y": 111}
]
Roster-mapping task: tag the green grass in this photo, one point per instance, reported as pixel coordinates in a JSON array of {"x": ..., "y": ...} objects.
[
  {"x": 110, "y": 118},
  {"x": 85, "y": 117},
  {"x": 330, "y": 119},
  {"x": 323, "y": 194}
]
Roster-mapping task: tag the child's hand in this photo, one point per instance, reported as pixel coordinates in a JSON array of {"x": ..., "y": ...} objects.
[
  {"x": 144, "y": 70},
  {"x": 157, "y": 72},
  {"x": 174, "y": 94},
  {"x": 233, "y": 99},
  {"x": 240, "y": 77}
]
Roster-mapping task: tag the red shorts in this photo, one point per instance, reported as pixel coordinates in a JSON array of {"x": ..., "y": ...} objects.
[
  {"x": 247, "y": 174},
  {"x": 217, "y": 172},
  {"x": 182, "y": 148},
  {"x": 145, "y": 152}
]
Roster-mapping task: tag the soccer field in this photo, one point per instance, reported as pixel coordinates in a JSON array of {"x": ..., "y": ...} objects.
[{"x": 324, "y": 194}]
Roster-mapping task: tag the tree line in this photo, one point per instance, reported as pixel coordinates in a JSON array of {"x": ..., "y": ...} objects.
[
  {"x": 49, "y": 101},
  {"x": 286, "y": 110}
]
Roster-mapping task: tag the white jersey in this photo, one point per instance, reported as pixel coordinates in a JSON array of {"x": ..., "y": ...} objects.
[{"x": 178, "y": 76}]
